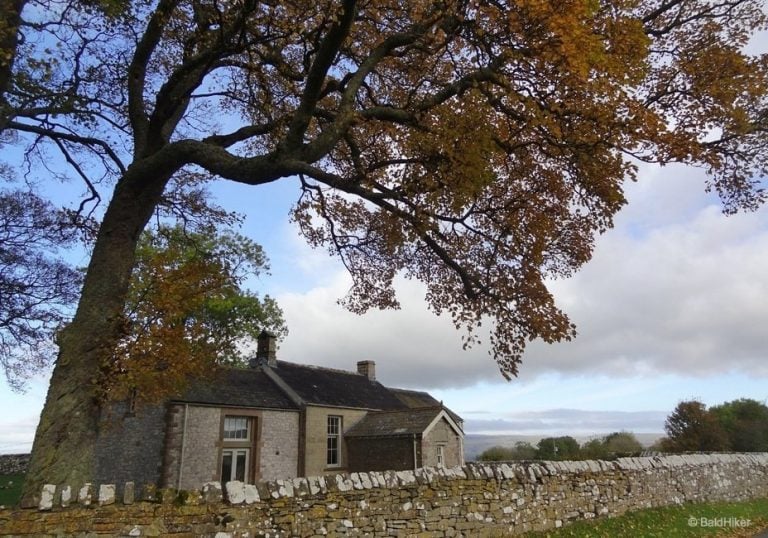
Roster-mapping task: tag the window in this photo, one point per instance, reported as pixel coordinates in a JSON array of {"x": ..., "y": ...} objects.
[
  {"x": 237, "y": 428},
  {"x": 334, "y": 438},
  {"x": 234, "y": 464},
  {"x": 440, "y": 457},
  {"x": 236, "y": 449}
]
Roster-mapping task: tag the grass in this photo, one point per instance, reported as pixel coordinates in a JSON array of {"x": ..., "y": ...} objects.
[
  {"x": 674, "y": 522},
  {"x": 10, "y": 489}
]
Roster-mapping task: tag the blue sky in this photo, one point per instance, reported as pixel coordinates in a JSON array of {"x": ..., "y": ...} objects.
[{"x": 673, "y": 306}]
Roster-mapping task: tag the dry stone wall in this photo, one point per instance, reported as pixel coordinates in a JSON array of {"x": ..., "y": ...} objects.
[{"x": 474, "y": 500}]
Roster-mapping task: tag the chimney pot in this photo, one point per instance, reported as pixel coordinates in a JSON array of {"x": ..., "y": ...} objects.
[
  {"x": 266, "y": 348},
  {"x": 368, "y": 369}
]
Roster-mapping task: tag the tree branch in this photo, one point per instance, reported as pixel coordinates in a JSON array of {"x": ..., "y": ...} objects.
[{"x": 57, "y": 136}]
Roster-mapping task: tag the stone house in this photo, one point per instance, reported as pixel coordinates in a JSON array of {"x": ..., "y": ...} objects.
[{"x": 275, "y": 420}]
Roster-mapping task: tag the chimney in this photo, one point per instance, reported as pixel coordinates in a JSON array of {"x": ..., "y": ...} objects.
[
  {"x": 266, "y": 349},
  {"x": 368, "y": 369}
]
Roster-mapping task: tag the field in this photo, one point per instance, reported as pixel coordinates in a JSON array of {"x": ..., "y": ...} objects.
[
  {"x": 733, "y": 520},
  {"x": 10, "y": 489}
]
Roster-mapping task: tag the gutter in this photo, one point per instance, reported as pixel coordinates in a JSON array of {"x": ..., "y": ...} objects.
[
  {"x": 183, "y": 445},
  {"x": 415, "y": 460}
]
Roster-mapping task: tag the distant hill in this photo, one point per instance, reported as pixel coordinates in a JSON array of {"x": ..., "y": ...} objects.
[{"x": 475, "y": 444}]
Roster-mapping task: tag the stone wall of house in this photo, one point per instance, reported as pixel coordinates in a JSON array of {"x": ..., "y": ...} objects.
[
  {"x": 475, "y": 500},
  {"x": 202, "y": 440},
  {"x": 442, "y": 434},
  {"x": 14, "y": 463},
  {"x": 279, "y": 451},
  {"x": 380, "y": 454},
  {"x": 317, "y": 437},
  {"x": 130, "y": 444}
]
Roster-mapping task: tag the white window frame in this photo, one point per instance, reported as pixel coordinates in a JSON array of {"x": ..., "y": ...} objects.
[
  {"x": 441, "y": 455},
  {"x": 333, "y": 433},
  {"x": 237, "y": 423},
  {"x": 234, "y": 452}
]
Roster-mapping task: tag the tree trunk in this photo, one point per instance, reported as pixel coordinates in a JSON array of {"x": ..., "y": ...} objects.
[
  {"x": 63, "y": 450},
  {"x": 10, "y": 18}
]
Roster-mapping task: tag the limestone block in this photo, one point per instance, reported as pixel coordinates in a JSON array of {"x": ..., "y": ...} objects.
[
  {"x": 212, "y": 492},
  {"x": 343, "y": 484},
  {"x": 390, "y": 479},
  {"x": 46, "y": 497},
  {"x": 129, "y": 493},
  {"x": 300, "y": 486},
  {"x": 313, "y": 482},
  {"x": 365, "y": 480},
  {"x": 405, "y": 478},
  {"x": 85, "y": 495},
  {"x": 106, "y": 494},
  {"x": 285, "y": 488},
  {"x": 66, "y": 496},
  {"x": 355, "y": 477},
  {"x": 377, "y": 479},
  {"x": 251, "y": 494},
  {"x": 235, "y": 492}
]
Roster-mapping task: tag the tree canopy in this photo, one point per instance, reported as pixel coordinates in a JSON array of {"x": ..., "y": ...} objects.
[
  {"x": 37, "y": 289},
  {"x": 692, "y": 428},
  {"x": 740, "y": 425},
  {"x": 745, "y": 421},
  {"x": 187, "y": 311},
  {"x": 478, "y": 146}
]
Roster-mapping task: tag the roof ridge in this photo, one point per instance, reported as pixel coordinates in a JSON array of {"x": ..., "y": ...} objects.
[
  {"x": 409, "y": 390},
  {"x": 408, "y": 409},
  {"x": 315, "y": 367}
]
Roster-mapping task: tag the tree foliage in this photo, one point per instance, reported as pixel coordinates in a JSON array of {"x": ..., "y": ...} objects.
[
  {"x": 522, "y": 450},
  {"x": 477, "y": 146},
  {"x": 613, "y": 445},
  {"x": 691, "y": 427},
  {"x": 187, "y": 311},
  {"x": 37, "y": 290},
  {"x": 745, "y": 422},
  {"x": 558, "y": 448}
]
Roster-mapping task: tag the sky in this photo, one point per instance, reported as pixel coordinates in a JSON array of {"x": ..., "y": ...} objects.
[{"x": 673, "y": 306}]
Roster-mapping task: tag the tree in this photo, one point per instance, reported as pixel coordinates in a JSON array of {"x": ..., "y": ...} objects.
[
  {"x": 692, "y": 427},
  {"x": 187, "y": 311},
  {"x": 521, "y": 451},
  {"x": 497, "y": 453},
  {"x": 622, "y": 444},
  {"x": 745, "y": 422},
  {"x": 36, "y": 289},
  {"x": 558, "y": 448},
  {"x": 477, "y": 146},
  {"x": 594, "y": 449},
  {"x": 613, "y": 445}
]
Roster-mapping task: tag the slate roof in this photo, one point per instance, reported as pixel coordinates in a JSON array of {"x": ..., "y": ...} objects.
[
  {"x": 414, "y": 398},
  {"x": 238, "y": 387},
  {"x": 394, "y": 423},
  {"x": 325, "y": 386},
  {"x": 252, "y": 387}
]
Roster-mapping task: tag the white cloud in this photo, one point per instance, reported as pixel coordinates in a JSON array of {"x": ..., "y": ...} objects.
[
  {"x": 570, "y": 421},
  {"x": 411, "y": 346},
  {"x": 676, "y": 288}
]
